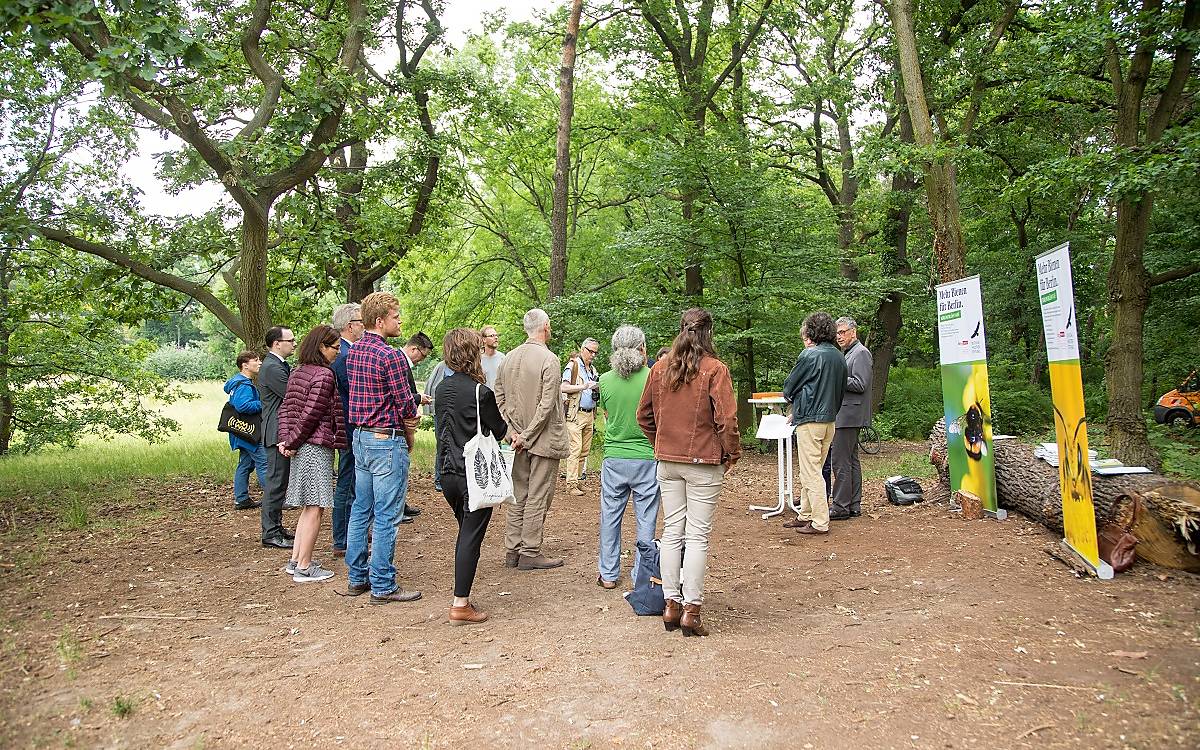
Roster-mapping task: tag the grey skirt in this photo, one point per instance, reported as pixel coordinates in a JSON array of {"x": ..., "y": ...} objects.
[{"x": 311, "y": 479}]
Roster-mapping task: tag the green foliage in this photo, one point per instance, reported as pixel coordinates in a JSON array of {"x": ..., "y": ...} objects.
[
  {"x": 913, "y": 403},
  {"x": 777, "y": 189},
  {"x": 187, "y": 364},
  {"x": 1179, "y": 448}
]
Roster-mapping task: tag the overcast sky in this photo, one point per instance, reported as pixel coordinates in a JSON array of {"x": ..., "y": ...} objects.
[{"x": 461, "y": 18}]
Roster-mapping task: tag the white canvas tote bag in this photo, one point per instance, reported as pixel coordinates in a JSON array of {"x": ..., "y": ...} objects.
[{"x": 489, "y": 482}]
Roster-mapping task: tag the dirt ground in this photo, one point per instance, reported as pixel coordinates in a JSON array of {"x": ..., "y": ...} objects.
[{"x": 907, "y": 628}]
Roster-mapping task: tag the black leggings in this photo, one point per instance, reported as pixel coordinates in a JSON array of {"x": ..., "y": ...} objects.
[{"x": 472, "y": 525}]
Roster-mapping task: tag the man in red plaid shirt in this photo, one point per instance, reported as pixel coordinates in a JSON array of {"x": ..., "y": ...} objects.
[{"x": 381, "y": 398}]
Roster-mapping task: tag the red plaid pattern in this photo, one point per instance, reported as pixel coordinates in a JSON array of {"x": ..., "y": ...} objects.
[{"x": 380, "y": 394}]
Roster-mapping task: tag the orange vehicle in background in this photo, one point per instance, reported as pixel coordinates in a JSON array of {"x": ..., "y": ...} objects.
[{"x": 1180, "y": 406}]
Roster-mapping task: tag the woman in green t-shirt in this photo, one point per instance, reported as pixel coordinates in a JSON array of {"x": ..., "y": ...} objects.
[{"x": 629, "y": 466}]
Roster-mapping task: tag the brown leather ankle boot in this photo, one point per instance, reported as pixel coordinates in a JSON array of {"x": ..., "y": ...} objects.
[
  {"x": 671, "y": 614},
  {"x": 690, "y": 621}
]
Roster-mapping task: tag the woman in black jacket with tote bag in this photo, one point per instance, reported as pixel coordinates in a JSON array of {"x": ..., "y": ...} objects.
[{"x": 454, "y": 404}]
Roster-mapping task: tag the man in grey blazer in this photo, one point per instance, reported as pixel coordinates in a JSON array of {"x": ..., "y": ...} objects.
[
  {"x": 272, "y": 386},
  {"x": 853, "y": 416}
]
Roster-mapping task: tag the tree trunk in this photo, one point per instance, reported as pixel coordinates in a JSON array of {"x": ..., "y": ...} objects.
[
  {"x": 6, "y": 396},
  {"x": 847, "y": 195},
  {"x": 562, "y": 156},
  {"x": 941, "y": 186},
  {"x": 350, "y": 185},
  {"x": 251, "y": 289},
  {"x": 1128, "y": 296},
  {"x": 1030, "y": 485},
  {"x": 888, "y": 316}
]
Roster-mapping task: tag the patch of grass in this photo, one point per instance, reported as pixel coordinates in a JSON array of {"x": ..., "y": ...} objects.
[
  {"x": 906, "y": 464},
  {"x": 69, "y": 650},
  {"x": 76, "y": 513},
  {"x": 122, "y": 706},
  {"x": 86, "y": 703},
  {"x": 66, "y": 485},
  {"x": 197, "y": 449}
]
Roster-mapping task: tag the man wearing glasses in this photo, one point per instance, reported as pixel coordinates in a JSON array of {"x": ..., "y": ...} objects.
[
  {"x": 491, "y": 356},
  {"x": 854, "y": 414},
  {"x": 581, "y": 386},
  {"x": 272, "y": 386},
  {"x": 347, "y": 319}
]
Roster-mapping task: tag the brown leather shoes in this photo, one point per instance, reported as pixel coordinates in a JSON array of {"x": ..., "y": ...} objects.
[
  {"x": 672, "y": 611},
  {"x": 467, "y": 615},
  {"x": 690, "y": 621},
  {"x": 538, "y": 562},
  {"x": 607, "y": 585},
  {"x": 510, "y": 559},
  {"x": 796, "y": 523},
  {"x": 811, "y": 530}
]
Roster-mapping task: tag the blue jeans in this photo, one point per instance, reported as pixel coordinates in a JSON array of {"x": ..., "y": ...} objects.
[
  {"x": 247, "y": 461},
  {"x": 343, "y": 493},
  {"x": 620, "y": 478},
  {"x": 380, "y": 481}
]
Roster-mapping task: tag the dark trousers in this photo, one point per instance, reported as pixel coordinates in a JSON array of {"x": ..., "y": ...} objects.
[
  {"x": 827, "y": 474},
  {"x": 847, "y": 471},
  {"x": 343, "y": 493},
  {"x": 472, "y": 525},
  {"x": 278, "y": 467}
]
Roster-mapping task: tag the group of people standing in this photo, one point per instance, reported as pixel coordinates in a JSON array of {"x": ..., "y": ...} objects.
[{"x": 671, "y": 436}]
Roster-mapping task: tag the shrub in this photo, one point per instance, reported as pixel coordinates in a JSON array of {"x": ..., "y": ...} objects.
[
  {"x": 188, "y": 363},
  {"x": 912, "y": 404}
]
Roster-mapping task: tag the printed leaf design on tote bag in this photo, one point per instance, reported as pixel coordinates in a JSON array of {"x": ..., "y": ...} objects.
[
  {"x": 497, "y": 468},
  {"x": 481, "y": 469}
]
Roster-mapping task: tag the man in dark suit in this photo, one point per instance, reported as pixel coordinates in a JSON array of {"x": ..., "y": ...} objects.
[
  {"x": 854, "y": 414},
  {"x": 347, "y": 319},
  {"x": 272, "y": 386}
]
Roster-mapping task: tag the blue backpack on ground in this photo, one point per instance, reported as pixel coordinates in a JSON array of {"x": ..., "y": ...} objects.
[{"x": 647, "y": 595}]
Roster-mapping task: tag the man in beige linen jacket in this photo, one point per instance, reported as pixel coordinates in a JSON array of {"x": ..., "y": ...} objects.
[{"x": 527, "y": 392}]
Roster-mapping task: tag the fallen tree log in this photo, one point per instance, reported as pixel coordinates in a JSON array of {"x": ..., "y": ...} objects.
[{"x": 1162, "y": 512}]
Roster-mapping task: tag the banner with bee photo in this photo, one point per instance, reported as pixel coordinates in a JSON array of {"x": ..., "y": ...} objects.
[
  {"x": 1057, "y": 296},
  {"x": 965, "y": 396}
]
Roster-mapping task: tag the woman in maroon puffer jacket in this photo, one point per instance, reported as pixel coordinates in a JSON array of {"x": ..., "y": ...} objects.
[{"x": 311, "y": 426}]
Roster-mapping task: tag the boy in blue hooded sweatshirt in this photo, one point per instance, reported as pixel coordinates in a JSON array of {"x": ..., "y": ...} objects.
[{"x": 244, "y": 397}]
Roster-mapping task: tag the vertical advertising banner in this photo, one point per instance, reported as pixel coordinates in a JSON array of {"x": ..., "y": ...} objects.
[
  {"x": 1057, "y": 296},
  {"x": 965, "y": 395}
]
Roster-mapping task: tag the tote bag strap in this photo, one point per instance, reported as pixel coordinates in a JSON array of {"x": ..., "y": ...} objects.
[{"x": 478, "y": 424}]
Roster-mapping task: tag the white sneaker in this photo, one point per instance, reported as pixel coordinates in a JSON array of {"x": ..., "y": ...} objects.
[{"x": 312, "y": 574}]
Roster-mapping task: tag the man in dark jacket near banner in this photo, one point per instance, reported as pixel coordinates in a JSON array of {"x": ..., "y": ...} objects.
[
  {"x": 852, "y": 417},
  {"x": 815, "y": 388}
]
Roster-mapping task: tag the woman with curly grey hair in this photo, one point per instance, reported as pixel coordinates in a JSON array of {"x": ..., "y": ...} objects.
[{"x": 629, "y": 466}]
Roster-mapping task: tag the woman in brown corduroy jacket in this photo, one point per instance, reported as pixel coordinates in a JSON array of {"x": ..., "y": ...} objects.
[{"x": 689, "y": 414}]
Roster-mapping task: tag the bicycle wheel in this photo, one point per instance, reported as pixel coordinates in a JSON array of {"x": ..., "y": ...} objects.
[{"x": 868, "y": 440}]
